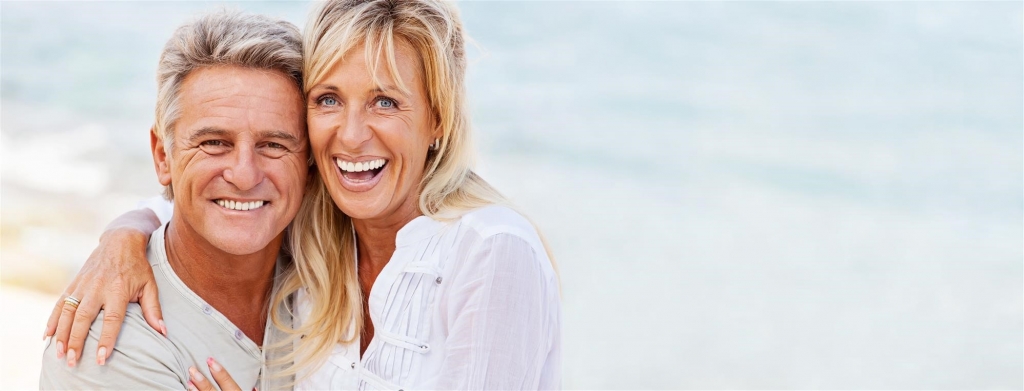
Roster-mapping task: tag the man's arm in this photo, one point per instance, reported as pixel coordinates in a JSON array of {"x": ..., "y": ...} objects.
[{"x": 145, "y": 360}]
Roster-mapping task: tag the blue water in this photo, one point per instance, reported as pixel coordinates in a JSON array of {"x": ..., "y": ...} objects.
[{"x": 739, "y": 194}]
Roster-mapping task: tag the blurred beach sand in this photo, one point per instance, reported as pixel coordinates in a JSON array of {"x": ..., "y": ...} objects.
[{"x": 20, "y": 355}]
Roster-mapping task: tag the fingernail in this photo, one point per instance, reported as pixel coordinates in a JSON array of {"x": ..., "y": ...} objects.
[
  {"x": 101, "y": 356},
  {"x": 163, "y": 327},
  {"x": 72, "y": 359},
  {"x": 196, "y": 376},
  {"x": 60, "y": 349},
  {"x": 213, "y": 364},
  {"x": 191, "y": 386}
]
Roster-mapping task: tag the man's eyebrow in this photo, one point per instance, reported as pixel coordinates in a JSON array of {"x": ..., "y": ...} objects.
[
  {"x": 210, "y": 131},
  {"x": 207, "y": 131},
  {"x": 278, "y": 134}
]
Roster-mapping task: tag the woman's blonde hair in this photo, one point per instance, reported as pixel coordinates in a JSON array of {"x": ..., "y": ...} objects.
[{"x": 322, "y": 240}]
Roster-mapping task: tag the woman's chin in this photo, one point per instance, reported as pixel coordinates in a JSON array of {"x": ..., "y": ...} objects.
[{"x": 359, "y": 206}]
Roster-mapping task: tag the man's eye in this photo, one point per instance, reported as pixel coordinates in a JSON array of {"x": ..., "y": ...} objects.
[
  {"x": 212, "y": 143},
  {"x": 275, "y": 145}
]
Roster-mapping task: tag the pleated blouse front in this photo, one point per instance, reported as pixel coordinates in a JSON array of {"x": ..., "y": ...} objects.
[{"x": 469, "y": 304}]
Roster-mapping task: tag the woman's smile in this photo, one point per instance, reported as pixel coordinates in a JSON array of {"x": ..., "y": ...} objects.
[{"x": 362, "y": 174}]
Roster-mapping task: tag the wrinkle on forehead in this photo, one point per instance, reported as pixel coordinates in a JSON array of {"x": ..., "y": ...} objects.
[{"x": 232, "y": 97}]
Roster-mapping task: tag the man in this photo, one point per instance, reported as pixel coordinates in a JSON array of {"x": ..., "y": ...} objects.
[{"x": 229, "y": 144}]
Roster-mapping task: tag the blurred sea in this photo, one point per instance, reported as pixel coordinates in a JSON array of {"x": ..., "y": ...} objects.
[{"x": 739, "y": 194}]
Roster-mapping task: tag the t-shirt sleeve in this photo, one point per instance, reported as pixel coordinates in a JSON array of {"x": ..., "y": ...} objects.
[
  {"x": 162, "y": 207},
  {"x": 142, "y": 360}
]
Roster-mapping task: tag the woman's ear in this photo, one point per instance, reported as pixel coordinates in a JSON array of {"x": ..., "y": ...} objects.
[{"x": 160, "y": 159}]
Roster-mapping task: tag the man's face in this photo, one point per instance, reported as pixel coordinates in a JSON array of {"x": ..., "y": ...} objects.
[{"x": 238, "y": 166}]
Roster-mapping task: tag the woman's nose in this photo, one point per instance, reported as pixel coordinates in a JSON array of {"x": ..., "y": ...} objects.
[{"x": 354, "y": 131}]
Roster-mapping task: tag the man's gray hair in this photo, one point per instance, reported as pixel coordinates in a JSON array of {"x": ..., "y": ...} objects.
[{"x": 222, "y": 38}]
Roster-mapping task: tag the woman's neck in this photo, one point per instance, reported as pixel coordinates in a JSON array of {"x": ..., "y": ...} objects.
[
  {"x": 376, "y": 237},
  {"x": 376, "y": 244}
]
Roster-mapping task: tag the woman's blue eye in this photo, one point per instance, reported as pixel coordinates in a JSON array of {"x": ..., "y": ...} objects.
[
  {"x": 329, "y": 101},
  {"x": 385, "y": 103}
]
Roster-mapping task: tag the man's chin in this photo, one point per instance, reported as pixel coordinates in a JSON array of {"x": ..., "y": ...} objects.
[{"x": 240, "y": 243}]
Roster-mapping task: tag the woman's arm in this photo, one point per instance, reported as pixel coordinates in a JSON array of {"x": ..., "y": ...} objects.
[
  {"x": 116, "y": 273},
  {"x": 504, "y": 320}
]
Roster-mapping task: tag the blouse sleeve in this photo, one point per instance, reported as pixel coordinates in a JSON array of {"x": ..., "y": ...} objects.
[{"x": 503, "y": 319}]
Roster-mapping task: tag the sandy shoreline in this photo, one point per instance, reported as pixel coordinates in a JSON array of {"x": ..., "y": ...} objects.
[{"x": 21, "y": 342}]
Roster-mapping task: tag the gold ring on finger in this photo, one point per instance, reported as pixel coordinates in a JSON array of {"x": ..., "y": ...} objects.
[{"x": 71, "y": 301}]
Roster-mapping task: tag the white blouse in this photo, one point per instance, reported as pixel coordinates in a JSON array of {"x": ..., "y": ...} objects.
[{"x": 469, "y": 304}]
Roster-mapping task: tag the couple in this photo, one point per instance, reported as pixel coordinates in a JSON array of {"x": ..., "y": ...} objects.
[{"x": 364, "y": 253}]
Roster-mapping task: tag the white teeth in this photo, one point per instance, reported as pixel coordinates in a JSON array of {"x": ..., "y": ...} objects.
[
  {"x": 236, "y": 205},
  {"x": 360, "y": 166}
]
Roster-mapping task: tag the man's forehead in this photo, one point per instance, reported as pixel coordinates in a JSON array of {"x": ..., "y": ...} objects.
[{"x": 230, "y": 100}]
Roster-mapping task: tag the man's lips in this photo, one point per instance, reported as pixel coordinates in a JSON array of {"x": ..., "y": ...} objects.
[{"x": 241, "y": 205}]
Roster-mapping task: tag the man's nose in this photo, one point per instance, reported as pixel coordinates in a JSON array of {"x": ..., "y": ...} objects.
[{"x": 244, "y": 171}]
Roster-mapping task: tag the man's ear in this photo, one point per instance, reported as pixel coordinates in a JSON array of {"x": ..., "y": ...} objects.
[{"x": 161, "y": 161}]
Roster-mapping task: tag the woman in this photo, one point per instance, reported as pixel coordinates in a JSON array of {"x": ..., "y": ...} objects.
[{"x": 409, "y": 269}]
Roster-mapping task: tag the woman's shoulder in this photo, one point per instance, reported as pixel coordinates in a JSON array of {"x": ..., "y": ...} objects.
[
  {"x": 504, "y": 243},
  {"x": 499, "y": 219}
]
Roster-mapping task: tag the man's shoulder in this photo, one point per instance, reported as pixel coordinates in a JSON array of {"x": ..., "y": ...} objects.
[{"x": 142, "y": 359}]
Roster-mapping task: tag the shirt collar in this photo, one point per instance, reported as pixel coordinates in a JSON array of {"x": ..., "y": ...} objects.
[{"x": 420, "y": 228}]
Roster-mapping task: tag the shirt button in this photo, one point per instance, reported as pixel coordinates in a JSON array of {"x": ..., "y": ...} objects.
[
  {"x": 239, "y": 335},
  {"x": 438, "y": 280},
  {"x": 353, "y": 365},
  {"x": 206, "y": 309}
]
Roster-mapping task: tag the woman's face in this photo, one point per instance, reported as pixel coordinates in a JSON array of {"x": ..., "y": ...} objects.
[{"x": 371, "y": 140}]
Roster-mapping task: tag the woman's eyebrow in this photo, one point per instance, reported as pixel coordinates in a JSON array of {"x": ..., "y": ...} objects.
[
  {"x": 330, "y": 87},
  {"x": 389, "y": 89}
]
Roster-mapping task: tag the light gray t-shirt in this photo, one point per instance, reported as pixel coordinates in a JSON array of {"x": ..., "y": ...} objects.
[{"x": 145, "y": 359}]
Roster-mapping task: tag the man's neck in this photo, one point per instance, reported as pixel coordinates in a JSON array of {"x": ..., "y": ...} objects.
[{"x": 238, "y": 286}]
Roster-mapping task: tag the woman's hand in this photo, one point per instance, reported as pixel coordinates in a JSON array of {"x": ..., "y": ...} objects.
[
  {"x": 220, "y": 375},
  {"x": 115, "y": 274}
]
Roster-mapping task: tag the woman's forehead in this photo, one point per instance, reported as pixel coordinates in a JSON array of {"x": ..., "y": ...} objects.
[{"x": 390, "y": 67}]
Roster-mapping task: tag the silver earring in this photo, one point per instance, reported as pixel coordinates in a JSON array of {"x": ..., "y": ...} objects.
[{"x": 435, "y": 145}]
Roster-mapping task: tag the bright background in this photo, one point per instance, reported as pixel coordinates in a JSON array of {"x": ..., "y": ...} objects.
[{"x": 740, "y": 195}]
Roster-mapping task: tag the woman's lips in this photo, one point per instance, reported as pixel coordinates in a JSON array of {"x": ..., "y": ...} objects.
[{"x": 360, "y": 176}]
